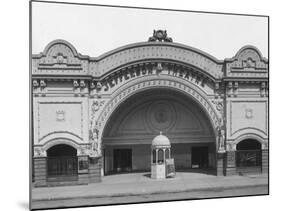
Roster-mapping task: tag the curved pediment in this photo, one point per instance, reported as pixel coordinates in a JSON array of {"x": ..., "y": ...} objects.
[
  {"x": 59, "y": 56},
  {"x": 158, "y": 51},
  {"x": 248, "y": 62}
]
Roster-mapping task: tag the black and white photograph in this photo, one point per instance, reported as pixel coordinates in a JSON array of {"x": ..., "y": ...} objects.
[{"x": 135, "y": 105}]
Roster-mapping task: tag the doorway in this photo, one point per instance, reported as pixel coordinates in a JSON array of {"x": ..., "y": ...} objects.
[
  {"x": 122, "y": 160},
  {"x": 62, "y": 163},
  {"x": 199, "y": 157}
]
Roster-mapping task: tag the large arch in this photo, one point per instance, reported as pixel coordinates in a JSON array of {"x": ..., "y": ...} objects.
[
  {"x": 150, "y": 82},
  {"x": 186, "y": 91}
]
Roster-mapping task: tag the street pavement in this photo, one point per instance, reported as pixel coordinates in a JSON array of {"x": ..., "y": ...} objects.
[{"x": 139, "y": 187}]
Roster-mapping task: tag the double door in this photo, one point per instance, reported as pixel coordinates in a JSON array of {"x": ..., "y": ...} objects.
[
  {"x": 122, "y": 160},
  {"x": 199, "y": 157}
]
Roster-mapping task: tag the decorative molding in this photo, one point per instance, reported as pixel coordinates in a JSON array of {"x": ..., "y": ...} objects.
[{"x": 219, "y": 105}]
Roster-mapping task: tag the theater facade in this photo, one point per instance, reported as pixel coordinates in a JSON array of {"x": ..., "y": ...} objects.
[{"x": 94, "y": 116}]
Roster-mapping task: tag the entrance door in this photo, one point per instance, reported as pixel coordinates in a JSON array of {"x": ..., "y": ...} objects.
[
  {"x": 62, "y": 163},
  {"x": 199, "y": 157},
  {"x": 122, "y": 160}
]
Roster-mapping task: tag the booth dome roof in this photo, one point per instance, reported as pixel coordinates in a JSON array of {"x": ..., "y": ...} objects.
[{"x": 161, "y": 140}]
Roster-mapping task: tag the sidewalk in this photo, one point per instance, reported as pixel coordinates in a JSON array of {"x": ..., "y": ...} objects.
[{"x": 140, "y": 183}]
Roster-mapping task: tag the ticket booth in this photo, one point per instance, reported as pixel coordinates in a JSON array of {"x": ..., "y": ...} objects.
[{"x": 160, "y": 151}]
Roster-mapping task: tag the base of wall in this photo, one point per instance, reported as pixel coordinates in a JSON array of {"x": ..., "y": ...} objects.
[
  {"x": 230, "y": 163},
  {"x": 265, "y": 161},
  {"x": 220, "y": 164},
  {"x": 95, "y": 165}
]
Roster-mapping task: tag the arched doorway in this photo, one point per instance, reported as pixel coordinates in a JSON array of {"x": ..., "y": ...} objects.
[
  {"x": 62, "y": 163},
  {"x": 248, "y": 156},
  {"x": 130, "y": 129}
]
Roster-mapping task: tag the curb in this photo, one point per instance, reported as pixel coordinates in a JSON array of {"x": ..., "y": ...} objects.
[{"x": 216, "y": 189}]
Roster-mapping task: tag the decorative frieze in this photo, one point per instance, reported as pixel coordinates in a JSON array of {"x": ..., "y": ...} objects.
[{"x": 145, "y": 69}]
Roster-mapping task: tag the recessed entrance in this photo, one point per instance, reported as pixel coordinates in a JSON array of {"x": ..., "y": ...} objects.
[
  {"x": 129, "y": 132},
  {"x": 199, "y": 157},
  {"x": 62, "y": 163},
  {"x": 248, "y": 156},
  {"x": 122, "y": 159}
]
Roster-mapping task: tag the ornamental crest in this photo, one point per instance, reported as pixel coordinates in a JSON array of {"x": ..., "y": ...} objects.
[{"x": 161, "y": 36}]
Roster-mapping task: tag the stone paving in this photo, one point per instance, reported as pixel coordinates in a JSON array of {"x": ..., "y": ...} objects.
[{"x": 141, "y": 183}]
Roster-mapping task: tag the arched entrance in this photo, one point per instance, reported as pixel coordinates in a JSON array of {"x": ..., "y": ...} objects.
[
  {"x": 136, "y": 121},
  {"x": 248, "y": 156},
  {"x": 62, "y": 163}
]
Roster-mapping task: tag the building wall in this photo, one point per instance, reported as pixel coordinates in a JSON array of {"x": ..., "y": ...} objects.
[{"x": 75, "y": 96}]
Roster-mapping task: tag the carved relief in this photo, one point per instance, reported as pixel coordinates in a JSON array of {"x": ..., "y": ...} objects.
[
  {"x": 39, "y": 152},
  {"x": 60, "y": 116},
  {"x": 94, "y": 143},
  {"x": 221, "y": 137},
  {"x": 248, "y": 113},
  {"x": 249, "y": 63},
  {"x": 219, "y": 105},
  {"x": 35, "y": 83},
  {"x": 60, "y": 59},
  {"x": 83, "y": 150},
  {"x": 94, "y": 132}
]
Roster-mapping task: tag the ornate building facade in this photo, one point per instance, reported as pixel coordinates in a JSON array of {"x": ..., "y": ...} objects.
[{"x": 97, "y": 116}]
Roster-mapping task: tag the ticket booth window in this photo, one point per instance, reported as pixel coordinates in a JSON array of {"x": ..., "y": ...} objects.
[
  {"x": 154, "y": 156},
  {"x": 160, "y": 156}
]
